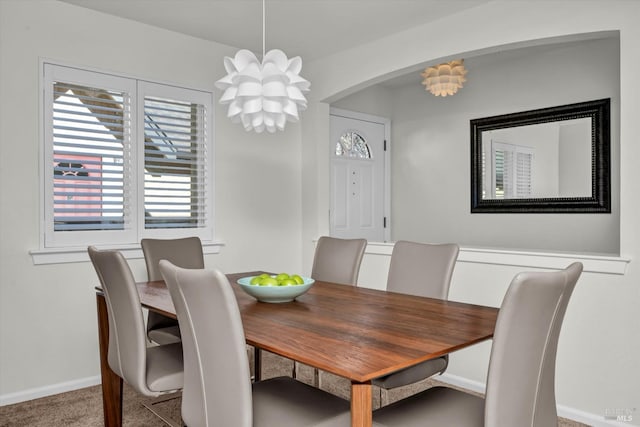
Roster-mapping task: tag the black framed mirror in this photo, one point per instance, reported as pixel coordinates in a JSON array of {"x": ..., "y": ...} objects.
[{"x": 549, "y": 160}]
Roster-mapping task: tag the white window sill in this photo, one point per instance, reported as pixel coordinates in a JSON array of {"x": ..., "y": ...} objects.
[
  {"x": 608, "y": 264},
  {"x": 75, "y": 254}
]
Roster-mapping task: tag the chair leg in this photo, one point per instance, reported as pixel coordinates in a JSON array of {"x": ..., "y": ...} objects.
[
  {"x": 163, "y": 415},
  {"x": 251, "y": 363},
  {"x": 257, "y": 364}
]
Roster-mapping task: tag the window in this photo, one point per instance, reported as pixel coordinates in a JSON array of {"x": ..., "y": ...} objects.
[
  {"x": 352, "y": 144},
  {"x": 511, "y": 165},
  {"x": 124, "y": 159}
]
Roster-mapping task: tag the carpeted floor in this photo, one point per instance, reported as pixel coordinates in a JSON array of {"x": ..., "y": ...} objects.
[{"x": 83, "y": 408}]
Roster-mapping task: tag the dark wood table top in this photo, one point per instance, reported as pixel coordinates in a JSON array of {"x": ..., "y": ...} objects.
[{"x": 353, "y": 332}]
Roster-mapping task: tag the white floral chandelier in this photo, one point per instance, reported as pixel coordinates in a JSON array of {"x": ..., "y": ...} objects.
[
  {"x": 263, "y": 95},
  {"x": 445, "y": 79}
]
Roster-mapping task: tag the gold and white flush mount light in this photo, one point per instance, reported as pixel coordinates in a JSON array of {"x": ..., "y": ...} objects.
[
  {"x": 445, "y": 79},
  {"x": 263, "y": 95}
]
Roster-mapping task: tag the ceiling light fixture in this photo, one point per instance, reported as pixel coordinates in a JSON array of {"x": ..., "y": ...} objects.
[
  {"x": 444, "y": 79},
  {"x": 263, "y": 95}
]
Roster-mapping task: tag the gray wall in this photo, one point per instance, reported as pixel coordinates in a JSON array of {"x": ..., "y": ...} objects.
[{"x": 430, "y": 146}]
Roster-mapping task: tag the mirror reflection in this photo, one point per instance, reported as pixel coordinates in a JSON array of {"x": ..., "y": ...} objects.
[{"x": 541, "y": 160}]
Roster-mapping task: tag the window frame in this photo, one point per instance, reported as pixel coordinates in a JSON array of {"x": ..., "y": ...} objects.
[{"x": 75, "y": 242}]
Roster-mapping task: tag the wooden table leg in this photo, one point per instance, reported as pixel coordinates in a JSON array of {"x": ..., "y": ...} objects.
[
  {"x": 111, "y": 383},
  {"x": 361, "y": 407}
]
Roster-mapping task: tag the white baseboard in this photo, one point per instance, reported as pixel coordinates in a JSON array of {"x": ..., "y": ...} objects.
[
  {"x": 590, "y": 419},
  {"x": 454, "y": 380},
  {"x": 49, "y": 390}
]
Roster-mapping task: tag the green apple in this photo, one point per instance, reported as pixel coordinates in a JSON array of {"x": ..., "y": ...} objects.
[
  {"x": 268, "y": 281},
  {"x": 280, "y": 277},
  {"x": 255, "y": 280},
  {"x": 298, "y": 279},
  {"x": 288, "y": 282}
]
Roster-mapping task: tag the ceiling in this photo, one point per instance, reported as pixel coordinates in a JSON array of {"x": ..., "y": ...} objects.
[{"x": 309, "y": 28}]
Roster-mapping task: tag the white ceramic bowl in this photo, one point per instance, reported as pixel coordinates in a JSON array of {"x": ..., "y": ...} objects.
[{"x": 275, "y": 294}]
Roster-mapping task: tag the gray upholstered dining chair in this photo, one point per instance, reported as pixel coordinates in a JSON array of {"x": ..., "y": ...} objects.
[
  {"x": 521, "y": 379},
  {"x": 337, "y": 261},
  {"x": 424, "y": 270},
  {"x": 185, "y": 252},
  {"x": 217, "y": 389},
  {"x": 151, "y": 371}
]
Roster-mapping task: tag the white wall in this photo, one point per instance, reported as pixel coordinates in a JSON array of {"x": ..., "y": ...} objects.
[
  {"x": 430, "y": 147},
  {"x": 597, "y": 367},
  {"x": 48, "y": 332}
]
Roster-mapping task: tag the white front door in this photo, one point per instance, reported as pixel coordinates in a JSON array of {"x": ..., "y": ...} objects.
[{"x": 358, "y": 162}]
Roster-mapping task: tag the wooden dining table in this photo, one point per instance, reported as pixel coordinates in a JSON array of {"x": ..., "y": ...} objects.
[{"x": 354, "y": 332}]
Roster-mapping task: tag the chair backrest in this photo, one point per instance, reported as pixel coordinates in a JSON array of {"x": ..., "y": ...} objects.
[
  {"x": 127, "y": 342},
  {"x": 338, "y": 260},
  {"x": 185, "y": 253},
  {"x": 422, "y": 269},
  {"x": 217, "y": 385},
  {"x": 521, "y": 378}
]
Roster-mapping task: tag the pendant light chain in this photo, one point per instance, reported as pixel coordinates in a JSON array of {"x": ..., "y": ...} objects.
[{"x": 263, "y": 30}]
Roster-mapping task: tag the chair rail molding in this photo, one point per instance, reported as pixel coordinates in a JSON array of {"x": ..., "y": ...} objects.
[{"x": 593, "y": 263}]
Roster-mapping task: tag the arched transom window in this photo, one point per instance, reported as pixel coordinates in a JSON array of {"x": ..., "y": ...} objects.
[{"x": 352, "y": 144}]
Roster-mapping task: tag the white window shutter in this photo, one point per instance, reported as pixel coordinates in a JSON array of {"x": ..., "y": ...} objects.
[
  {"x": 124, "y": 159},
  {"x": 90, "y": 145},
  {"x": 512, "y": 170},
  {"x": 177, "y": 181}
]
